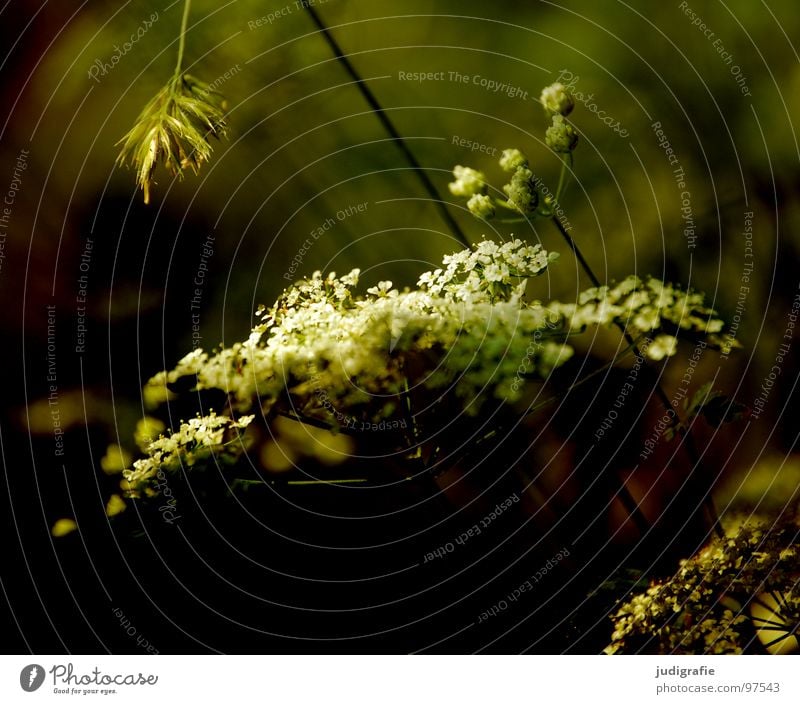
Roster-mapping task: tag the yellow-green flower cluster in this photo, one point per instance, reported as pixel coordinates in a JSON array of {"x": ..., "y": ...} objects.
[
  {"x": 650, "y": 307},
  {"x": 468, "y": 182},
  {"x": 558, "y": 103},
  {"x": 556, "y": 99},
  {"x": 561, "y": 136},
  {"x": 716, "y": 601},
  {"x": 521, "y": 189},
  {"x": 330, "y": 354},
  {"x": 195, "y": 441}
]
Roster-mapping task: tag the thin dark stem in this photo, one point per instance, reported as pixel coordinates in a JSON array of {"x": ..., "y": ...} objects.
[
  {"x": 632, "y": 507},
  {"x": 688, "y": 441},
  {"x": 388, "y": 125},
  {"x": 578, "y": 254}
]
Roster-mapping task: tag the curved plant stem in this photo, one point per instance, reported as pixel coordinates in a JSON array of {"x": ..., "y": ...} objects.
[
  {"x": 581, "y": 259},
  {"x": 388, "y": 125}
]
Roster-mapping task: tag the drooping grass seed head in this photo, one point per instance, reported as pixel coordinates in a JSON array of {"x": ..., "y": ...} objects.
[{"x": 174, "y": 128}]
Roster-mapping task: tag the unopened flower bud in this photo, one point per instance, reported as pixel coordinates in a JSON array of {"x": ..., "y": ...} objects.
[
  {"x": 521, "y": 191},
  {"x": 481, "y": 206},
  {"x": 468, "y": 182},
  {"x": 512, "y": 159},
  {"x": 556, "y": 99},
  {"x": 561, "y": 136}
]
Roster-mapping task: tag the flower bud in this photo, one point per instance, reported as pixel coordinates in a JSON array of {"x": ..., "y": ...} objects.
[
  {"x": 512, "y": 159},
  {"x": 468, "y": 182},
  {"x": 561, "y": 136},
  {"x": 556, "y": 99},
  {"x": 521, "y": 191},
  {"x": 481, "y": 206}
]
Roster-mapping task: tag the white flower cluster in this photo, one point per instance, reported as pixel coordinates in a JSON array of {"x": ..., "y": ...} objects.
[
  {"x": 490, "y": 273},
  {"x": 465, "y": 332},
  {"x": 647, "y": 307},
  {"x": 196, "y": 441}
]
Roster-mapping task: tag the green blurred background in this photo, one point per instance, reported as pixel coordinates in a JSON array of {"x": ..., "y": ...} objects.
[{"x": 304, "y": 145}]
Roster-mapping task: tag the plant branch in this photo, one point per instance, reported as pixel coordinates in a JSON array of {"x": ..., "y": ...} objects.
[
  {"x": 388, "y": 125},
  {"x": 562, "y": 177}
]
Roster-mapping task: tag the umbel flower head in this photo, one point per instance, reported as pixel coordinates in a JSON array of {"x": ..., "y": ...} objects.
[
  {"x": 458, "y": 336},
  {"x": 174, "y": 128},
  {"x": 742, "y": 588}
]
